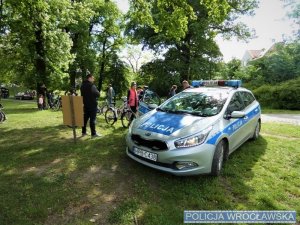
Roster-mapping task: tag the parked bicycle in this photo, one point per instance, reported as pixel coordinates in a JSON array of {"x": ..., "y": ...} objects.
[
  {"x": 127, "y": 117},
  {"x": 2, "y": 114},
  {"x": 57, "y": 103},
  {"x": 113, "y": 113},
  {"x": 103, "y": 107}
]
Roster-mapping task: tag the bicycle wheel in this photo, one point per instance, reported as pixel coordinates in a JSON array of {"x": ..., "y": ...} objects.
[
  {"x": 56, "y": 105},
  {"x": 110, "y": 116},
  {"x": 125, "y": 118},
  {"x": 2, "y": 116},
  {"x": 103, "y": 109}
]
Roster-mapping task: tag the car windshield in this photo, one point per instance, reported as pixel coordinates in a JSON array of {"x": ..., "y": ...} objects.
[{"x": 208, "y": 103}]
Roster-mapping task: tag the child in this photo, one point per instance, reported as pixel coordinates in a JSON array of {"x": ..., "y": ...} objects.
[{"x": 41, "y": 101}]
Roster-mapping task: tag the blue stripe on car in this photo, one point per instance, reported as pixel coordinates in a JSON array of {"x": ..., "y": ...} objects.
[
  {"x": 163, "y": 123},
  {"x": 233, "y": 127}
]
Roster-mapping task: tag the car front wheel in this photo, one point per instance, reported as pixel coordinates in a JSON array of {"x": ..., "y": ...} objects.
[{"x": 218, "y": 159}]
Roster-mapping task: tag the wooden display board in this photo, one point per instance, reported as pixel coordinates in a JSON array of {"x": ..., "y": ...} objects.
[{"x": 72, "y": 107}]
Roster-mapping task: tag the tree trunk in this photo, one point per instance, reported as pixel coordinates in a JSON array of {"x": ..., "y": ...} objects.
[
  {"x": 72, "y": 68},
  {"x": 40, "y": 64},
  {"x": 102, "y": 66}
]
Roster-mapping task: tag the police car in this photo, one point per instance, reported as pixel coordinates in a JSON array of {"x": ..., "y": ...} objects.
[{"x": 196, "y": 130}]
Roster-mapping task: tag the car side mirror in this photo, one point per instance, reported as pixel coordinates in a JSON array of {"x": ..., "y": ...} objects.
[
  {"x": 234, "y": 114},
  {"x": 237, "y": 114}
]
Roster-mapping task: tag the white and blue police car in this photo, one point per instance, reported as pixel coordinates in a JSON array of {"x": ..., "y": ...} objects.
[{"x": 196, "y": 130}]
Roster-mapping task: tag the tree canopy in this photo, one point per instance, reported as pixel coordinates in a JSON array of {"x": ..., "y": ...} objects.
[{"x": 58, "y": 42}]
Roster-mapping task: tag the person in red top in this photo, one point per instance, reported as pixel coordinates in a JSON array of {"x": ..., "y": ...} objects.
[{"x": 132, "y": 99}]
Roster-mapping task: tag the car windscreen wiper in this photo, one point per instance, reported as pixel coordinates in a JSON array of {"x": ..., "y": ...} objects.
[
  {"x": 200, "y": 114},
  {"x": 169, "y": 111},
  {"x": 160, "y": 109}
]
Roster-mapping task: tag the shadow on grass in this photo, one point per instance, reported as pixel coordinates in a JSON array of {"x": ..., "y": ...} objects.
[
  {"x": 21, "y": 110},
  {"x": 12, "y": 106},
  {"x": 49, "y": 179},
  {"x": 161, "y": 198},
  {"x": 46, "y": 178}
]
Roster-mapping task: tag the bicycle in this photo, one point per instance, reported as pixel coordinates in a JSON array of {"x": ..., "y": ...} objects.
[
  {"x": 126, "y": 117},
  {"x": 57, "y": 103},
  {"x": 103, "y": 107},
  {"x": 2, "y": 114},
  {"x": 112, "y": 113}
]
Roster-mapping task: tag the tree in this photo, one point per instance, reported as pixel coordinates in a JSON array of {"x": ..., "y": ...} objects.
[
  {"x": 107, "y": 28},
  {"x": 33, "y": 37},
  {"x": 79, "y": 30},
  {"x": 294, "y": 13},
  {"x": 280, "y": 65},
  {"x": 233, "y": 66},
  {"x": 118, "y": 75},
  {"x": 185, "y": 31}
]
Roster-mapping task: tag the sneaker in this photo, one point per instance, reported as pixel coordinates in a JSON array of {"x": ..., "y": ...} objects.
[
  {"x": 96, "y": 135},
  {"x": 83, "y": 134}
]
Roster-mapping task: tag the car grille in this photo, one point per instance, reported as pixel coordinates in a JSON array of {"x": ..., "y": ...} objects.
[{"x": 155, "y": 145}]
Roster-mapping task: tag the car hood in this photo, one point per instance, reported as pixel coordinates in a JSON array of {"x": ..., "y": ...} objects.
[{"x": 170, "y": 125}]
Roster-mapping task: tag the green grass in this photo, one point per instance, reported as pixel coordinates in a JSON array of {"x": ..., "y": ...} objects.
[
  {"x": 279, "y": 111},
  {"x": 48, "y": 179}
]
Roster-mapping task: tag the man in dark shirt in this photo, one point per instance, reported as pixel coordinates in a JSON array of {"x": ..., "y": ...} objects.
[{"x": 90, "y": 94}]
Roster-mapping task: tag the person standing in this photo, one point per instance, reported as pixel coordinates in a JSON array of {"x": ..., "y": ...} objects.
[
  {"x": 186, "y": 85},
  {"x": 132, "y": 99},
  {"x": 90, "y": 94},
  {"x": 172, "y": 91},
  {"x": 42, "y": 90},
  {"x": 142, "y": 93},
  {"x": 40, "y": 102},
  {"x": 110, "y": 95}
]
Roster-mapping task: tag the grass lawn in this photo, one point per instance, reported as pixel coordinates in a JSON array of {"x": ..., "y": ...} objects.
[
  {"x": 279, "y": 111},
  {"x": 45, "y": 178}
]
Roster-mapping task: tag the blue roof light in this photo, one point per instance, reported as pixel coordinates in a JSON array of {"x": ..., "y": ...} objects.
[{"x": 213, "y": 83}]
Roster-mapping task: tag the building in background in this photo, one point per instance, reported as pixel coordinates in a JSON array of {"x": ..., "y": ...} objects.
[{"x": 251, "y": 55}]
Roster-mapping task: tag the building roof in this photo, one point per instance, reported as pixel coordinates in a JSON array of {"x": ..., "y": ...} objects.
[{"x": 256, "y": 53}]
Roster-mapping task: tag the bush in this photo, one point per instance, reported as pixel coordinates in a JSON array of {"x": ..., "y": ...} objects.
[{"x": 282, "y": 96}]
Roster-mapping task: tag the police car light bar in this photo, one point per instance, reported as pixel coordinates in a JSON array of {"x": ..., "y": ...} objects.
[{"x": 212, "y": 83}]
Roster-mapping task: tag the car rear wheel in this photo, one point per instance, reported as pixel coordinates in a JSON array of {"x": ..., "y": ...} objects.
[{"x": 218, "y": 159}]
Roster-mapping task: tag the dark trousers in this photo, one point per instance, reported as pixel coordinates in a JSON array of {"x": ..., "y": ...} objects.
[
  {"x": 133, "y": 109},
  {"x": 90, "y": 114}
]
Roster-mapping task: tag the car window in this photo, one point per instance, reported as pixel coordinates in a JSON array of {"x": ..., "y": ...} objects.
[
  {"x": 151, "y": 97},
  {"x": 236, "y": 104},
  {"x": 247, "y": 98},
  {"x": 196, "y": 103}
]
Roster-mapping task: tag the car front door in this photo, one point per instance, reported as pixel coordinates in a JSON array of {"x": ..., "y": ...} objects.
[{"x": 236, "y": 128}]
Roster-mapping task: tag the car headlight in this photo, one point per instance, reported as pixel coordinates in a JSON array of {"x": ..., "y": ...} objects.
[{"x": 193, "y": 140}]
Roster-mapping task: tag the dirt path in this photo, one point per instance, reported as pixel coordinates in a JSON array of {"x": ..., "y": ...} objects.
[{"x": 282, "y": 118}]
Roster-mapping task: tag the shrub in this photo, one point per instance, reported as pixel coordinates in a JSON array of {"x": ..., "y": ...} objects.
[{"x": 282, "y": 96}]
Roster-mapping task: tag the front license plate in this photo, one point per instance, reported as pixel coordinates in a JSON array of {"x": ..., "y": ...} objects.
[{"x": 145, "y": 154}]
